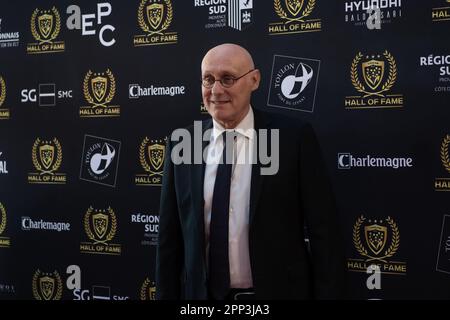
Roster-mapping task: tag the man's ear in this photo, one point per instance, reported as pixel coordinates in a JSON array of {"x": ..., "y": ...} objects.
[{"x": 256, "y": 78}]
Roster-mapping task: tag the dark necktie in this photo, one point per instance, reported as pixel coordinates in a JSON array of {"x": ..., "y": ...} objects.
[{"x": 219, "y": 271}]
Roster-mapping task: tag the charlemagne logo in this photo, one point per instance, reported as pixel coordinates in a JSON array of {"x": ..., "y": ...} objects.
[
  {"x": 154, "y": 18},
  {"x": 99, "y": 90},
  {"x": 441, "y": 13},
  {"x": 294, "y": 83},
  {"x": 443, "y": 183},
  {"x": 376, "y": 241},
  {"x": 5, "y": 242},
  {"x": 4, "y": 112},
  {"x": 100, "y": 227},
  {"x": 47, "y": 286},
  {"x": 46, "y": 156},
  {"x": 443, "y": 259},
  {"x": 237, "y": 14},
  {"x": 100, "y": 160},
  {"x": 373, "y": 77},
  {"x": 151, "y": 159},
  {"x": 148, "y": 290},
  {"x": 45, "y": 27},
  {"x": 295, "y": 17}
]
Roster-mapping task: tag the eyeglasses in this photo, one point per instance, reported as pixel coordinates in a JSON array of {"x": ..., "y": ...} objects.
[{"x": 226, "y": 81}]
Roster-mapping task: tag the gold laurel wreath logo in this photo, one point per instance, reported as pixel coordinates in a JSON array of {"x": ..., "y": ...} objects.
[
  {"x": 444, "y": 153},
  {"x": 144, "y": 288},
  {"x": 386, "y": 86},
  {"x": 395, "y": 242},
  {"x": 283, "y": 15},
  {"x": 35, "y": 160},
  {"x": 55, "y": 32},
  {"x": 2, "y": 91},
  {"x": 87, "y": 227},
  {"x": 142, "y": 159},
  {"x": 165, "y": 24},
  {"x": 109, "y": 97},
  {"x": 34, "y": 153},
  {"x": 59, "y": 288},
  {"x": 3, "y": 222}
]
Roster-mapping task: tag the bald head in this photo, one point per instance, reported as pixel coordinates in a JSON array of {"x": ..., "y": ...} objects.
[{"x": 232, "y": 54}]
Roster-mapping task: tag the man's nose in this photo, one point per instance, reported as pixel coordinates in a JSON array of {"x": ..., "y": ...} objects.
[{"x": 217, "y": 88}]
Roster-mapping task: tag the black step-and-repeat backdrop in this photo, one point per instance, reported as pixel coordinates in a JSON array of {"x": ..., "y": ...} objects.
[{"x": 89, "y": 91}]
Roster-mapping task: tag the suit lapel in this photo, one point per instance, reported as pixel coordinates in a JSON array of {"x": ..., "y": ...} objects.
[
  {"x": 197, "y": 181},
  {"x": 261, "y": 122}
]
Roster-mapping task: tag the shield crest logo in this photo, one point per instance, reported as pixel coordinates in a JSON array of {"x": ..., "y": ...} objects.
[
  {"x": 156, "y": 154},
  {"x": 47, "y": 285},
  {"x": 47, "y": 154},
  {"x": 376, "y": 236},
  {"x": 373, "y": 72},
  {"x": 98, "y": 86},
  {"x": 294, "y": 6},
  {"x": 100, "y": 222},
  {"x": 155, "y": 13},
  {"x": 45, "y": 23}
]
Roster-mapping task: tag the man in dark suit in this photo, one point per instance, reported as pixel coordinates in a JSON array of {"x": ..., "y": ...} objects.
[{"x": 226, "y": 229}]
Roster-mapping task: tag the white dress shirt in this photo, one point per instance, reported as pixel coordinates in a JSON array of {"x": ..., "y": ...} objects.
[{"x": 238, "y": 246}]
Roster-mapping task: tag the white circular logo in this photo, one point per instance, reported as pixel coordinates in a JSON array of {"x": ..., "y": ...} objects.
[{"x": 293, "y": 85}]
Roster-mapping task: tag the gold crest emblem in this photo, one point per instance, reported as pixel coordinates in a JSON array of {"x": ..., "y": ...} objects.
[
  {"x": 2, "y": 91},
  {"x": 158, "y": 13},
  {"x": 102, "y": 222},
  {"x": 48, "y": 25},
  {"x": 373, "y": 73},
  {"x": 101, "y": 89},
  {"x": 47, "y": 156},
  {"x": 444, "y": 153},
  {"x": 148, "y": 290},
  {"x": 153, "y": 159},
  {"x": 294, "y": 10},
  {"x": 47, "y": 286},
  {"x": 3, "y": 217},
  {"x": 376, "y": 236}
]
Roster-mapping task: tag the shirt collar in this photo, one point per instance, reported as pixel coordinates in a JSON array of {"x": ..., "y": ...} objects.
[{"x": 245, "y": 127}]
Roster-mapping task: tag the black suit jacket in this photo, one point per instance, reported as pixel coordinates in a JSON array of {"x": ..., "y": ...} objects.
[{"x": 282, "y": 207}]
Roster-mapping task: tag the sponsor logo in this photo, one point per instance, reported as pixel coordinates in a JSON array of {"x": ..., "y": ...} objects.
[
  {"x": 47, "y": 158},
  {"x": 441, "y": 13},
  {"x": 100, "y": 160},
  {"x": 148, "y": 290},
  {"x": 373, "y": 77},
  {"x": 441, "y": 65},
  {"x": 150, "y": 223},
  {"x": 8, "y": 39},
  {"x": 3, "y": 167},
  {"x": 294, "y": 83},
  {"x": 154, "y": 18},
  {"x": 443, "y": 183},
  {"x": 136, "y": 91},
  {"x": 348, "y": 161},
  {"x": 237, "y": 14},
  {"x": 377, "y": 242},
  {"x": 99, "y": 90},
  {"x": 151, "y": 158},
  {"x": 91, "y": 23},
  {"x": 359, "y": 12},
  {"x": 295, "y": 17},
  {"x": 47, "y": 286},
  {"x": 4, "y": 112},
  {"x": 100, "y": 227},
  {"x": 45, "y": 95},
  {"x": 45, "y": 28},
  {"x": 30, "y": 224},
  {"x": 5, "y": 242}
]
